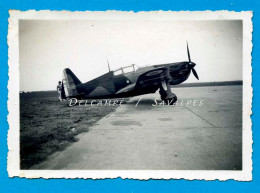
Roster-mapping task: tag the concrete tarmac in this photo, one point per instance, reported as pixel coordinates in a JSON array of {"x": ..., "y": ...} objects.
[{"x": 202, "y": 135}]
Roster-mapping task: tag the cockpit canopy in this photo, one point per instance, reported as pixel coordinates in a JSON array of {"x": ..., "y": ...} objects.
[{"x": 125, "y": 70}]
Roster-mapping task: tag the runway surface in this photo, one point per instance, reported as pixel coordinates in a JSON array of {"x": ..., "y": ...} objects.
[{"x": 202, "y": 135}]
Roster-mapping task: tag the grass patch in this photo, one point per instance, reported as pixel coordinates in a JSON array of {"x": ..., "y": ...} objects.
[{"x": 47, "y": 126}]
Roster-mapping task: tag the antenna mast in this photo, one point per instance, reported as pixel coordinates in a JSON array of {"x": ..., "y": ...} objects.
[{"x": 108, "y": 66}]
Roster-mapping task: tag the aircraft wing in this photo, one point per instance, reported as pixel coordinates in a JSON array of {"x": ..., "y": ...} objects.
[
  {"x": 151, "y": 78},
  {"x": 126, "y": 89}
]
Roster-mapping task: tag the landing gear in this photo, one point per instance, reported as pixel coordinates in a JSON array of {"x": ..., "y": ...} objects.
[{"x": 166, "y": 95}]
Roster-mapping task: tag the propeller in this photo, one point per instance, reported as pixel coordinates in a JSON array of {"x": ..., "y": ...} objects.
[
  {"x": 192, "y": 65},
  {"x": 188, "y": 51},
  {"x": 195, "y": 73}
]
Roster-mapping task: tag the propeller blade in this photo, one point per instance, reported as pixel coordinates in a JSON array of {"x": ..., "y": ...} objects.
[
  {"x": 188, "y": 52},
  {"x": 195, "y": 73}
]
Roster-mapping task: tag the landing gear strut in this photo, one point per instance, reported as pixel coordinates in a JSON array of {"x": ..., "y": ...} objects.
[
  {"x": 166, "y": 95},
  {"x": 165, "y": 91}
]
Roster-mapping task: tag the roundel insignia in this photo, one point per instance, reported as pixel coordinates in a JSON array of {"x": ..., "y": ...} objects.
[{"x": 156, "y": 72}]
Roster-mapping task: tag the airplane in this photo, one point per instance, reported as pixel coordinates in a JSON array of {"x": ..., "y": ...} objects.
[{"x": 130, "y": 81}]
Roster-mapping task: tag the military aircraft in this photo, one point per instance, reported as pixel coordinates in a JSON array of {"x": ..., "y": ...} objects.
[{"x": 130, "y": 81}]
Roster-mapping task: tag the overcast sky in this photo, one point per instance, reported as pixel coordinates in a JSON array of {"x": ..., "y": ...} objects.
[{"x": 84, "y": 46}]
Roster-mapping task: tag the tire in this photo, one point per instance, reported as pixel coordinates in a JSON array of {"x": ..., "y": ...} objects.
[
  {"x": 163, "y": 94},
  {"x": 170, "y": 101}
]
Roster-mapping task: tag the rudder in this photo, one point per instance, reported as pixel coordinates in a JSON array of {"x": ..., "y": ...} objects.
[{"x": 70, "y": 82}]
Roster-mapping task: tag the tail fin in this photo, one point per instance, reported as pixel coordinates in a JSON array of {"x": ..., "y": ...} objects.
[{"x": 70, "y": 82}]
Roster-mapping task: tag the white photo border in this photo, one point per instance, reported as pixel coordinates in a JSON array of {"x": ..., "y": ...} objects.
[{"x": 13, "y": 95}]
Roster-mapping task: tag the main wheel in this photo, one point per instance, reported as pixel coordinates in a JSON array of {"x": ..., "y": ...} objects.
[
  {"x": 171, "y": 101},
  {"x": 163, "y": 94}
]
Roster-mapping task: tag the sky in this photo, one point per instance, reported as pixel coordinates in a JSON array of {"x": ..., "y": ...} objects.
[{"x": 46, "y": 47}]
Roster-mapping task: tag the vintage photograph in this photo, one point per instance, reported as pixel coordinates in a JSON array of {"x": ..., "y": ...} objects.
[{"x": 132, "y": 95}]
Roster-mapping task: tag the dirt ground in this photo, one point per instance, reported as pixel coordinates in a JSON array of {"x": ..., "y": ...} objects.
[{"x": 48, "y": 126}]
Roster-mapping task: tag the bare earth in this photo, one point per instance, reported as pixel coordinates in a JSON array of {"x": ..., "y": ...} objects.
[{"x": 207, "y": 137}]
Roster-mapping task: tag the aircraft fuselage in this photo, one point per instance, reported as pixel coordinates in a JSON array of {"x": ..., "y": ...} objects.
[{"x": 109, "y": 84}]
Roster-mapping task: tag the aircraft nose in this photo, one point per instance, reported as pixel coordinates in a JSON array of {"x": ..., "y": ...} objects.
[{"x": 192, "y": 64}]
